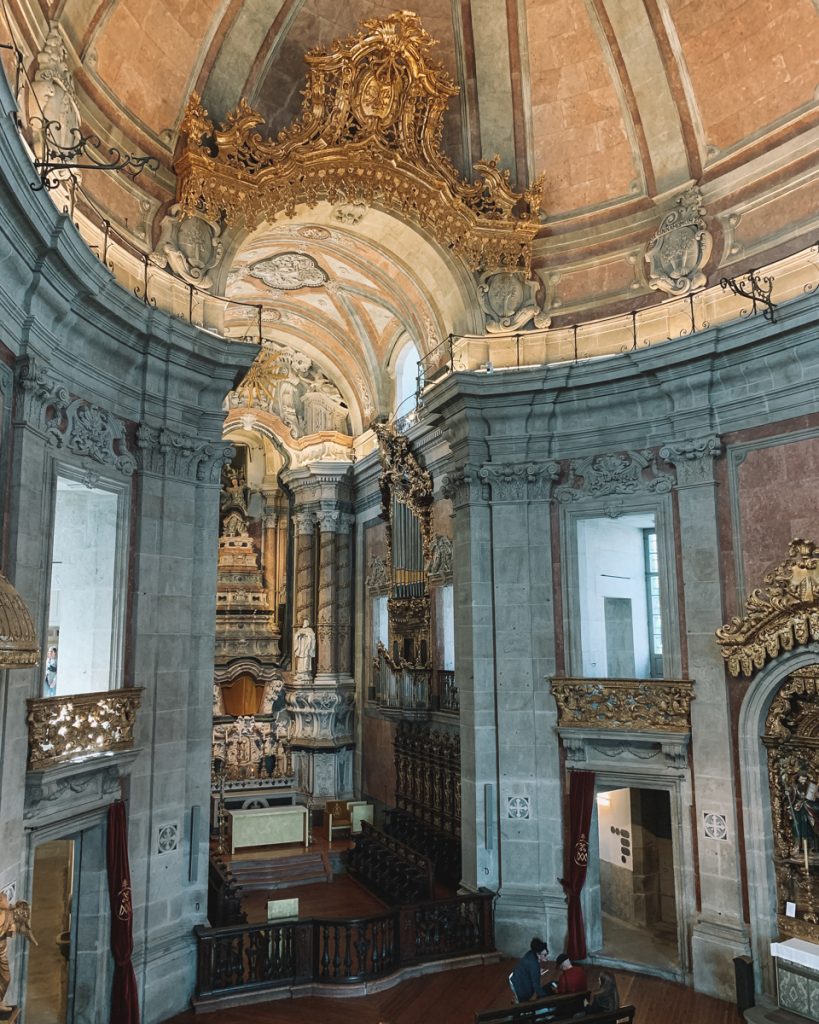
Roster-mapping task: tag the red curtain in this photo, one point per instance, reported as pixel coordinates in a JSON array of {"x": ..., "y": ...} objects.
[
  {"x": 581, "y": 797},
  {"x": 124, "y": 1000}
]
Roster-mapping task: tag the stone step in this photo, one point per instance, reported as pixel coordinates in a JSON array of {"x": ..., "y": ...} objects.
[{"x": 283, "y": 872}]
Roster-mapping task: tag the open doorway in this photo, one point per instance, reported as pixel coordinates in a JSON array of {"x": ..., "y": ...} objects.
[
  {"x": 638, "y": 911},
  {"x": 50, "y": 962}
]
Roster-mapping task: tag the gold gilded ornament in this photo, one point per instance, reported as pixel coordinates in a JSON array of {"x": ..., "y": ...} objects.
[{"x": 370, "y": 132}]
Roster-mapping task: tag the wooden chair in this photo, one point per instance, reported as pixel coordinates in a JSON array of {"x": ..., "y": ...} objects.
[{"x": 338, "y": 817}]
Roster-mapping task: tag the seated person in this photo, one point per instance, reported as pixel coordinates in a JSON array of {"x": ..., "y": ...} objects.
[
  {"x": 605, "y": 997},
  {"x": 525, "y": 979},
  {"x": 571, "y": 978}
]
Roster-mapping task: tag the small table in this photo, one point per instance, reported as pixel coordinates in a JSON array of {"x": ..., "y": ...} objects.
[{"x": 267, "y": 826}]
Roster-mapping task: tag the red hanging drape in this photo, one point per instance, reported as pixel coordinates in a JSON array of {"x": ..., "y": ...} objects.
[
  {"x": 576, "y": 859},
  {"x": 124, "y": 1000}
]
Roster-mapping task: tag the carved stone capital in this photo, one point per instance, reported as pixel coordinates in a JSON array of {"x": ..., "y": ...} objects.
[
  {"x": 329, "y": 520},
  {"x": 169, "y": 452},
  {"x": 304, "y": 523},
  {"x": 73, "y": 423},
  {"x": 692, "y": 458},
  {"x": 463, "y": 486},
  {"x": 321, "y": 717},
  {"x": 519, "y": 481}
]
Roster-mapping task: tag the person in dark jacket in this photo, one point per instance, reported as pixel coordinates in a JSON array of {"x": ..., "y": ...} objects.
[
  {"x": 525, "y": 979},
  {"x": 605, "y": 998}
]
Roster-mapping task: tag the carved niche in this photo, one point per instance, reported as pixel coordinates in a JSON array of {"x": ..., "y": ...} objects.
[
  {"x": 680, "y": 247},
  {"x": 190, "y": 246},
  {"x": 288, "y": 384},
  {"x": 782, "y": 614}
]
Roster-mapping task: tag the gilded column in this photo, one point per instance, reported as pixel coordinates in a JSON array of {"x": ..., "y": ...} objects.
[
  {"x": 303, "y": 525},
  {"x": 345, "y": 594},
  {"x": 326, "y": 631},
  {"x": 270, "y": 552}
]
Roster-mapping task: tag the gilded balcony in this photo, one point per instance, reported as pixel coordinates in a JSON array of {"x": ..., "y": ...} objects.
[
  {"x": 633, "y": 705},
  {"x": 66, "y": 729}
]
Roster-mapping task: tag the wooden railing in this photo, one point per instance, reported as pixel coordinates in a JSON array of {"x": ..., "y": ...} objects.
[
  {"x": 224, "y": 896},
  {"x": 395, "y": 872},
  {"x": 447, "y": 691},
  {"x": 441, "y": 847},
  {"x": 253, "y": 957}
]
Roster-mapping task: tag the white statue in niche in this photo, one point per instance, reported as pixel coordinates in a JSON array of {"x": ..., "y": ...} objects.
[{"x": 304, "y": 648}]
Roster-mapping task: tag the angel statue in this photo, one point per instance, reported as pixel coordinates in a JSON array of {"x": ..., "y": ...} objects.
[{"x": 13, "y": 918}]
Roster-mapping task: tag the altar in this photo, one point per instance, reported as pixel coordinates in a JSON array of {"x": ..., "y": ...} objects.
[
  {"x": 267, "y": 826},
  {"x": 797, "y": 976}
]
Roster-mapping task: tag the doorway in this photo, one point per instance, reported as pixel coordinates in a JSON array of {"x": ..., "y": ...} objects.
[
  {"x": 638, "y": 906},
  {"x": 50, "y": 962}
]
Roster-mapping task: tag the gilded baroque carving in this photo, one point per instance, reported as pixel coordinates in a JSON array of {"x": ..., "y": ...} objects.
[
  {"x": 654, "y": 705},
  {"x": 620, "y": 473},
  {"x": 65, "y": 728},
  {"x": 509, "y": 300},
  {"x": 403, "y": 477},
  {"x": 777, "y": 617},
  {"x": 693, "y": 458},
  {"x": 369, "y": 133},
  {"x": 791, "y": 731},
  {"x": 288, "y": 384},
  {"x": 189, "y": 245},
  {"x": 171, "y": 453},
  {"x": 680, "y": 247},
  {"x": 519, "y": 481}
]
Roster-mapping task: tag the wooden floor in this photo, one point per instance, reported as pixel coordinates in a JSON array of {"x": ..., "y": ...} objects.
[{"x": 453, "y": 997}]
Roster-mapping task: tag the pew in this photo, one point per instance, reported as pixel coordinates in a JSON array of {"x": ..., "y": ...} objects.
[{"x": 551, "y": 1007}]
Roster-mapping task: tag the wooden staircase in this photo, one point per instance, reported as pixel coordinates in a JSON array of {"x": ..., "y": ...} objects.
[{"x": 283, "y": 872}]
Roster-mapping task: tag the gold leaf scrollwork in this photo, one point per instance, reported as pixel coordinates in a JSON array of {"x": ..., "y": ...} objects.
[
  {"x": 782, "y": 614},
  {"x": 654, "y": 705},
  {"x": 370, "y": 131},
  {"x": 66, "y": 728}
]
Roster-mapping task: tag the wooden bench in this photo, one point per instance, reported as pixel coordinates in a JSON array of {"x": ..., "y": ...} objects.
[{"x": 549, "y": 1008}]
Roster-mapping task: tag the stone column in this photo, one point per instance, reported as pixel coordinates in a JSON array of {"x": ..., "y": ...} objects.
[
  {"x": 326, "y": 624},
  {"x": 529, "y": 802},
  {"x": 270, "y": 550},
  {"x": 344, "y": 592},
  {"x": 303, "y": 526},
  {"x": 720, "y": 932}
]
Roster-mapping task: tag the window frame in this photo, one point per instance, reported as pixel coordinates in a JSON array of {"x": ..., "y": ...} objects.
[{"x": 661, "y": 507}]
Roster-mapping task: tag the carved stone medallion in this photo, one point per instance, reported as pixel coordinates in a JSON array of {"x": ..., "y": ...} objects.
[
  {"x": 190, "y": 246},
  {"x": 680, "y": 247},
  {"x": 509, "y": 300}
]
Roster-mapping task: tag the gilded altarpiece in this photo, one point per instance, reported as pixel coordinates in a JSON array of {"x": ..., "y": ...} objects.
[{"x": 792, "y": 741}]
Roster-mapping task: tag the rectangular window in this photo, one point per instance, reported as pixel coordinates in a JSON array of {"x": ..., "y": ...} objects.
[
  {"x": 85, "y": 606},
  {"x": 619, "y": 597},
  {"x": 448, "y": 627}
]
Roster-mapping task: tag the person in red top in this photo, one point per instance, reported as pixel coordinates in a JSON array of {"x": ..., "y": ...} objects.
[{"x": 572, "y": 978}]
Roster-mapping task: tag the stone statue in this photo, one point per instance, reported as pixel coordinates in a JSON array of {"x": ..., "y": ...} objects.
[
  {"x": 13, "y": 918},
  {"x": 304, "y": 648}
]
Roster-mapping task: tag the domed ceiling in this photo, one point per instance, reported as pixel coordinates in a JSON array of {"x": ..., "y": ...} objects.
[{"x": 622, "y": 104}]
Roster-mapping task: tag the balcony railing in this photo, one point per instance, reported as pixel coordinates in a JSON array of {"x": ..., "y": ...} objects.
[
  {"x": 254, "y": 957},
  {"x": 649, "y": 705},
  {"x": 400, "y": 687},
  {"x": 63, "y": 729},
  {"x": 447, "y": 691}
]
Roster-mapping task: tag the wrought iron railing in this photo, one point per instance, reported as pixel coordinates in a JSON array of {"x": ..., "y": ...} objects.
[
  {"x": 249, "y": 958},
  {"x": 62, "y": 729}
]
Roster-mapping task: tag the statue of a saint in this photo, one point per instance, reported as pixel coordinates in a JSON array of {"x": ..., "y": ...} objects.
[
  {"x": 803, "y": 808},
  {"x": 13, "y": 918},
  {"x": 304, "y": 648}
]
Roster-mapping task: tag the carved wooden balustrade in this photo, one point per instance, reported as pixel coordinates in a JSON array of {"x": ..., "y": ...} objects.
[
  {"x": 224, "y": 895},
  {"x": 389, "y": 868},
  {"x": 62, "y": 729},
  {"x": 442, "y": 848},
  {"x": 428, "y": 776},
  {"x": 250, "y": 958}
]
